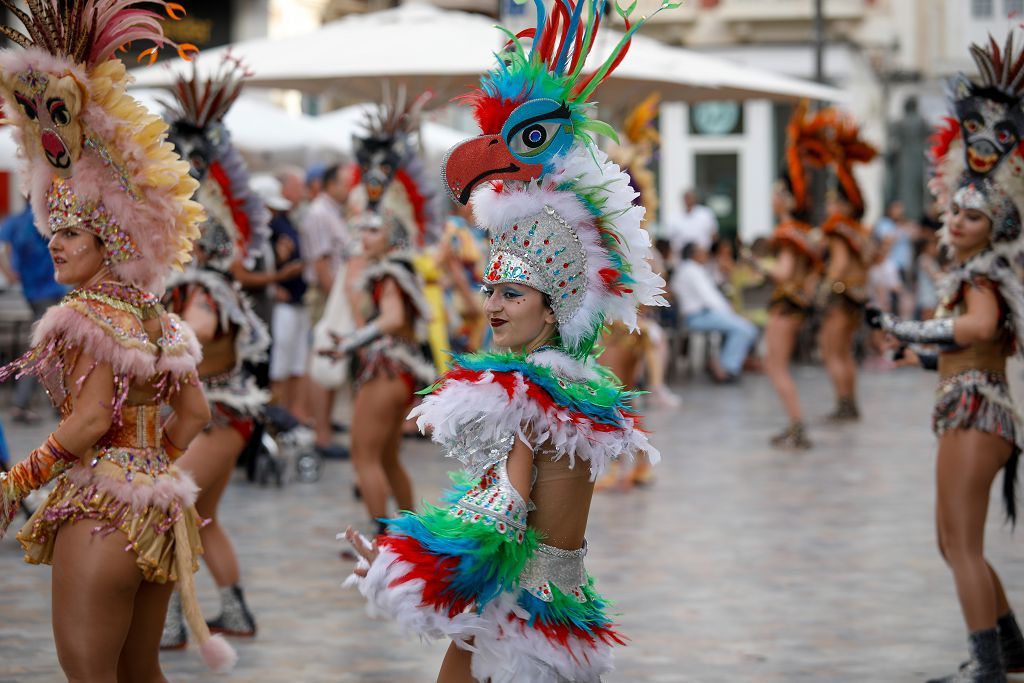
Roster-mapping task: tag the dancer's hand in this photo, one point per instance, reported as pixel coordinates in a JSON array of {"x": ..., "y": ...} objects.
[
  {"x": 874, "y": 317},
  {"x": 368, "y": 551},
  {"x": 335, "y": 354}
]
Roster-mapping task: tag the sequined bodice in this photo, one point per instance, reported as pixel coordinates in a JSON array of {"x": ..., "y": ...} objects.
[{"x": 495, "y": 502}]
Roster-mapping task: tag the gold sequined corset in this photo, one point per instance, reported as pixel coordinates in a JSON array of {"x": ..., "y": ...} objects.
[
  {"x": 140, "y": 428},
  {"x": 134, "y": 443}
]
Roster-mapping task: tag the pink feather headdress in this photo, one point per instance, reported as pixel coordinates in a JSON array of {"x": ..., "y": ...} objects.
[{"x": 93, "y": 157}]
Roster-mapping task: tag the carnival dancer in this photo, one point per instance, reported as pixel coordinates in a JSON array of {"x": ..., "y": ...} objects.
[
  {"x": 120, "y": 527},
  {"x": 499, "y": 568},
  {"x": 397, "y": 217},
  {"x": 796, "y": 270},
  {"x": 222, "y": 317},
  {"x": 978, "y": 325},
  {"x": 848, "y": 255}
]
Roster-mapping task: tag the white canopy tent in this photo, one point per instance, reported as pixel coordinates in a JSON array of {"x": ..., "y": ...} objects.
[
  {"x": 340, "y": 125},
  {"x": 8, "y": 149},
  {"x": 428, "y": 48},
  {"x": 257, "y": 125}
]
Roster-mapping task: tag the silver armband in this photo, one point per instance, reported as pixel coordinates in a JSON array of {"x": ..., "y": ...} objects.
[
  {"x": 360, "y": 338},
  {"x": 935, "y": 331}
]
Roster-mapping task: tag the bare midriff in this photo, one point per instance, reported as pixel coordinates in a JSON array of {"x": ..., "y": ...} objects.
[
  {"x": 987, "y": 356},
  {"x": 562, "y": 496}
]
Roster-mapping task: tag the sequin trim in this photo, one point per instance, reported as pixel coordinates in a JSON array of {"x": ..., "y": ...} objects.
[
  {"x": 494, "y": 502},
  {"x": 551, "y": 566}
]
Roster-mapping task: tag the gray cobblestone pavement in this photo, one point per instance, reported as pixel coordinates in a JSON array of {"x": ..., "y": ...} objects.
[{"x": 741, "y": 563}]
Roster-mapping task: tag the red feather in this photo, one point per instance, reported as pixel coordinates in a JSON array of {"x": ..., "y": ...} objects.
[
  {"x": 237, "y": 213},
  {"x": 491, "y": 113},
  {"x": 942, "y": 137},
  {"x": 418, "y": 201}
]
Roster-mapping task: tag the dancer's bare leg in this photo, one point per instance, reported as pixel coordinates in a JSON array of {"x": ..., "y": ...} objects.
[
  {"x": 836, "y": 344},
  {"x": 140, "y": 656},
  {"x": 780, "y": 340},
  {"x": 210, "y": 459},
  {"x": 398, "y": 477},
  {"x": 457, "y": 666},
  {"x": 95, "y": 582},
  {"x": 967, "y": 464},
  {"x": 379, "y": 410}
]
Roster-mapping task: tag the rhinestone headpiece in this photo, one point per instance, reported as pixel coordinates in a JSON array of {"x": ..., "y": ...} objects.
[
  {"x": 541, "y": 251},
  {"x": 986, "y": 197},
  {"x": 67, "y": 210}
]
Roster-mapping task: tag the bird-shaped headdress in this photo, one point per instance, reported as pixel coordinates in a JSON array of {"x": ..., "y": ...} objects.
[
  {"x": 390, "y": 180},
  {"x": 237, "y": 220},
  {"x": 559, "y": 212},
  {"x": 93, "y": 157},
  {"x": 846, "y": 149},
  {"x": 977, "y": 152}
]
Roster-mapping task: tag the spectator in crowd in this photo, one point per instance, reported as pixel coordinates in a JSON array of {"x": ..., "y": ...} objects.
[
  {"x": 324, "y": 236},
  {"x": 315, "y": 180},
  {"x": 325, "y": 244},
  {"x": 290, "y": 323},
  {"x": 28, "y": 262},
  {"x": 894, "y": 232},
  {"x": 697, "y": 223},
  {"x": 705, "y": 309},
  {"x": 926, "y": 277}
]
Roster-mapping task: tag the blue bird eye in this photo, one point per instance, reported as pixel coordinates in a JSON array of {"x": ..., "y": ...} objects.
[{"x": 538, "y": 131}]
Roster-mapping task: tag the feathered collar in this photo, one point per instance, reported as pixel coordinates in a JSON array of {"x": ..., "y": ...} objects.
[{"x": 577, "y": 408}]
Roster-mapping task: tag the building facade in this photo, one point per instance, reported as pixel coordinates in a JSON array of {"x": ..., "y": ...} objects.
[{"x": 892, "y": 57}]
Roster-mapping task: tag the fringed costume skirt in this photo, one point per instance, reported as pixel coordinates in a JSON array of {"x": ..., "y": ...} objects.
[
  {"x": 136, "y": 492},
  {"x": 977, "y": 399},
  {"x": 395, "y": 357}
]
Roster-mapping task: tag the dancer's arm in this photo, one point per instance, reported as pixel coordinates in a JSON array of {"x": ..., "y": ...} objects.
[
  {"x": 391, "y": 319},
  {"x": 191, "y": 415},
  {"x": 92, "y": 387},
  {"x": 980, "y": 322}
]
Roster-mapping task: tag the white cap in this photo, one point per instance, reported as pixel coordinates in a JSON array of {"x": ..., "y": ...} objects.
[{"x": 269, "y": 190}]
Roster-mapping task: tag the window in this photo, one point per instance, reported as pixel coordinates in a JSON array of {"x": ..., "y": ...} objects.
[
  {"x": 1014, "y": 8},
  {"x": 982, "y": 9}
]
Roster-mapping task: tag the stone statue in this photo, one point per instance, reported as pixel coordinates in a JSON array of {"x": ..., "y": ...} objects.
[{"x": 905, "y": 160}]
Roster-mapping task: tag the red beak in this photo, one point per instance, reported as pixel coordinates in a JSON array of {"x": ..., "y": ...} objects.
[{"x": 482, "y": 159}]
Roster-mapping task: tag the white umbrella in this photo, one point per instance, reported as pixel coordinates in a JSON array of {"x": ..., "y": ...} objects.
[
  {"x": 8, "y": 149},
  {"x": 446, "y": 51},
  {"x": 257, "y": 126},
  {"x": 340, "y": 125}
]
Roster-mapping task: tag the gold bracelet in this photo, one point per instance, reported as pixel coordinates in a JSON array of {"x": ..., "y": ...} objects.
[{"x": 173, "y": 452}]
